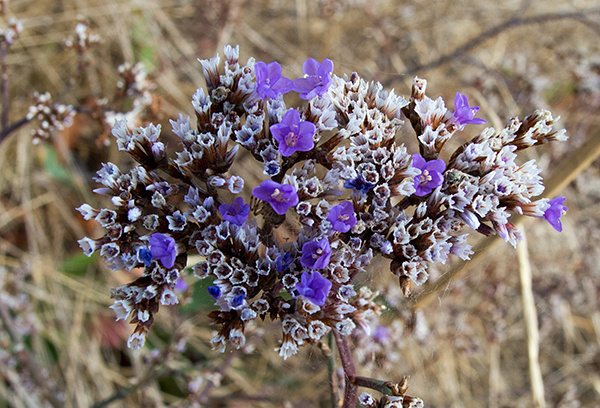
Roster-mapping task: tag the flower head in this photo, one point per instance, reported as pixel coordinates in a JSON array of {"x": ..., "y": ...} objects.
[
  {"x": 431, "y": 174},
  {"x": 317, "y": 78},
  {"x": 316, "y": 254},
  {"x": 293, "y": 134},
  {"x": 555, "y": 211},
  {"x": 269, "y": 82},
  {"x": 465, "y": 114},
  {"x": 280, "y": 196},
  {"x": 314, "y": 287},
  {"x": 237, "y": 213},
  {"x": 163, "y": 248},
  {"x": 342, "y": 217}
]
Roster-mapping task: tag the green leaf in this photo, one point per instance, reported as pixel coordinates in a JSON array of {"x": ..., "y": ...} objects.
[
  {"x": 201, "y": 300},
  {"x": 54, "y": 168},
  {"x": 78, "y": 265}
]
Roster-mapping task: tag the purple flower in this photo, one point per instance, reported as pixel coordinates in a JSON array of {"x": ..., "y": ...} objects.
[
  {"x": 293, "y": 134},
  {"x": 237, "y": 213},
  {"x": 163, "y": 248},
  {"x": 283, "y": 262},
  {"x": 381, "y": 334},
  {"x": 269, "y": 82},
  {"x": 314, "y": 287},
  {"x": 316, "y": 254},
  {"x": 360, "y": 184},
  {"x": 214, "y": 291},
  {"x": 556, "y": 210},
  {"x": 465, "y": 114},
  {"x": 342, "y": 217},
  {"x": 280, "y": 196},
  {"x": 317, "y": 78},
  {"x": 431, "y": 174},
  {"x": 181, "y": 285}
]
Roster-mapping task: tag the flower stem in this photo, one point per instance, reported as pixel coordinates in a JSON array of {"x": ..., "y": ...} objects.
[
  {"x": 331, "y": 369},
  {"x": 350, "y": 390}
]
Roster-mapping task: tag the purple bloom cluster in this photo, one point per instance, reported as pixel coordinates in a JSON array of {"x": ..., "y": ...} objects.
[
  {"x": 270, "y": 83},
  {"x": 280, "y": 196},
  {"x": 430, "y": 177},
  {"x": 314, "y": 287},
  {"x": 408, "y": 208},
  {"x": 293, "y": 134}
]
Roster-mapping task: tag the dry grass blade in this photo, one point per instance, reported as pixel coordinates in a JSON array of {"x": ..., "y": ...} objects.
[{"x": 531, "y": 321}]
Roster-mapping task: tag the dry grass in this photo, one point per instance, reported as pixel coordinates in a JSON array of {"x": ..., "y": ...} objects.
[{"x": 476, "y": 352}]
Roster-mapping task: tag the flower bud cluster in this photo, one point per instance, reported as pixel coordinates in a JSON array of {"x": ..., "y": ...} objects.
[
  {"x": 335, "y": 167},
  {"x": 9, "y": 34},
  {"x": 84, "y": 39},
  {"x": 52, "y": 116}
]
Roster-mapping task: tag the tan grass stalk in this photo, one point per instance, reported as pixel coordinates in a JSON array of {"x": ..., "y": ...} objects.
[
  {"x": 494, "y": 375},
  {"x": 531, "y": 321}
]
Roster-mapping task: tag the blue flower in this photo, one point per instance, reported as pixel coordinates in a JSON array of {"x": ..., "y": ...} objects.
[
  {"x": 342, "y": 217},
  {"x": 316, "y": 254},
  {"x": 555, "y": 211},
  {"x": 314, "y": 287},
  {"x": 214, "y": 291},
  {"x": 237, "y": 213},
  {"x": 163, "y": 248},
  {"x": 145, "y": 256},
  {"x": 269, "y": 82},
  {"x": 317, "y": 78},
  {"x": 238, "y": 301},
  {"x": 283, "y": 262},
  {"x": 465, "y": 114},
  {"x": 360, "y": 184}
]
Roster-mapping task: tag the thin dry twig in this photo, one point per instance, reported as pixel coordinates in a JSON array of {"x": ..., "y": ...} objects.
[{"x": 512, "y": 22}]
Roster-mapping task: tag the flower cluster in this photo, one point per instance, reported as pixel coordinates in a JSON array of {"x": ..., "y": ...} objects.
[{"x": 333, "y": 165}]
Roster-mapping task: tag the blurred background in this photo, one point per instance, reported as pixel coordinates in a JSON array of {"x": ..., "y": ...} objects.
[{"x": 466, "y": 347}]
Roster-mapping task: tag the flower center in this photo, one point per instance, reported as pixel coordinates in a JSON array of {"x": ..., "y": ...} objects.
[
  {"x": 291, "y": 139},
  {"x": 317, "y": 253},
  {"x": 343, "y": 217},
  {"x": 425, "y": 177},
  {"x": 277, "y": 196}
]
